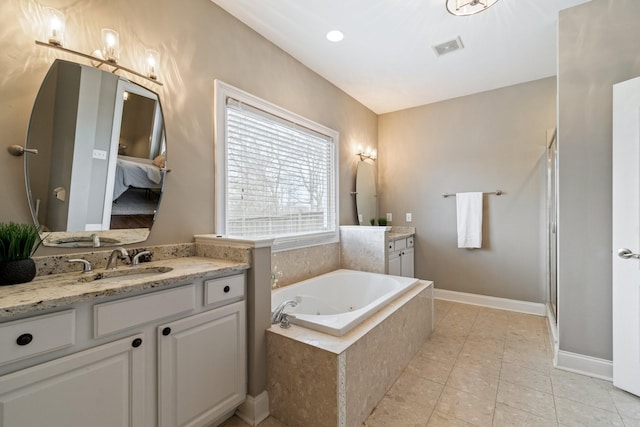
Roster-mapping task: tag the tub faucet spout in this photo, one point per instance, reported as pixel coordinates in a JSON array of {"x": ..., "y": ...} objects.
[{"x": 278, "y": 313}]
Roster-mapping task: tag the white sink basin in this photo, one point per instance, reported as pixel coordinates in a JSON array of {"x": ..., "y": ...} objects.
[{"x": 124, "y": 273}]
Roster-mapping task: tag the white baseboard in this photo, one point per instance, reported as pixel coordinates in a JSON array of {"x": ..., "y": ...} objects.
[
  {"x": 585, "y": 365},
  {"x": 254, "y": 410},
  {"x": 535, "y": 308}
]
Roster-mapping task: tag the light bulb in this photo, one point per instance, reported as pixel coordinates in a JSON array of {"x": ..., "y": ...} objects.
[
  {"x": 54, "y": 32},
  {"x": 152, "y": 59},
  {"x": 110, "y": 45}
]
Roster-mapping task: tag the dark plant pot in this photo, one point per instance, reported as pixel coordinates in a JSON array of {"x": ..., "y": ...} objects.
[{"x": 14, "y": 272}]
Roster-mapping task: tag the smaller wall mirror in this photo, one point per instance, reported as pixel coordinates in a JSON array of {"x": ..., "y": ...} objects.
[
  {"x": 366, "y": 193},
  {"x": 99, "y": 174}
]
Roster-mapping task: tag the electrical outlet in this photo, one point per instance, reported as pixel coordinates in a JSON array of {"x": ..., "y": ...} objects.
[
  {"x": 408, "y": 217},
  {"x": 360, "y": 218},
  {"x": 389, "y": 217},
  {"x": 100, "y": 154}
]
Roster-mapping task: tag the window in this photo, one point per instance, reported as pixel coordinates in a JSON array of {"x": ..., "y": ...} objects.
[{"x": 276, "y": 173}]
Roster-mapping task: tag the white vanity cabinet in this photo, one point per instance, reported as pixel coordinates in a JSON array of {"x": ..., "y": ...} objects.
[
  {"x": 401, "y": 259},
  {"x": 202, "y": 360},
  {"x": 101, "y": 387},
  {"x": 169, "y": 357}
]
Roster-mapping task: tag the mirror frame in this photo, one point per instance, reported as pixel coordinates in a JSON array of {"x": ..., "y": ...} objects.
[
  {"x": 366, "y": 192},
  {"x": 102, "y": 237}
]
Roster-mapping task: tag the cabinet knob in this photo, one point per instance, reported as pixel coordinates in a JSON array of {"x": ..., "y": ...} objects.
[
  {"x": 24, "y": 339},
  {"x": 226, "y": 289},
  {"x": 166, "y": 331},
  {"x": 136, "y": 343}
]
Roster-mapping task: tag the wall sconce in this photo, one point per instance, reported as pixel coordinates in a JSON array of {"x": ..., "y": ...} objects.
[
  {"x": 368, "y": 154},
  {"x": 110, "y": 45},
  {"x": 54, "y": 26},
  {"x": 152, "y": 58}
]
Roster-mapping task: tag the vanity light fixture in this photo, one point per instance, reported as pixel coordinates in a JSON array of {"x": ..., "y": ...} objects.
[
  {"x": 110, "y": 45},
  {"x": 108, "y": 55},
  {"x": 366, "y": 154},
  {"x": 468, "y": 7},
  {"x": 335, "y": 36},
  {"x": 152, "y": 58},
  {"x": 54, "y": 26}
]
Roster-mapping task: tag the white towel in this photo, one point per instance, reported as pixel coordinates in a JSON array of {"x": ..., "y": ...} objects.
[{"x": 469, "y": 211}]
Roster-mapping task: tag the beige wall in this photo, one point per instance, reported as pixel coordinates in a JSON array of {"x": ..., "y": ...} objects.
[
  {"x": 482, "y": 142},
  {"x": 198, "y": 42},
  {"x": 598, "y": 47}
]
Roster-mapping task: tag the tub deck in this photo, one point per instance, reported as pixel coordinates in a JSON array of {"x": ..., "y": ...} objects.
[{"x": 319, "y": 380}]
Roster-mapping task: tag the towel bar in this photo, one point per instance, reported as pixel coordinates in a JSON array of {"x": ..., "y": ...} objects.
[{"x": 497, "y": 193}]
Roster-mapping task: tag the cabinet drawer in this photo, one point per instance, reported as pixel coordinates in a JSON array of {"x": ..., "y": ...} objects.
[
  {"x": 226, "y": 289},
  {"x": 119, "y": 315},
  {"x": 399, "y": 244},
  {"x": 29, "y": 337},
  {"x": 410, "y": 242}
]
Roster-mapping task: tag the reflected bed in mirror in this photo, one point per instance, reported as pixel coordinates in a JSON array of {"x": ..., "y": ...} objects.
[
  {"x": 100, "y": 171},
  {"x": 366, "y": 194}
]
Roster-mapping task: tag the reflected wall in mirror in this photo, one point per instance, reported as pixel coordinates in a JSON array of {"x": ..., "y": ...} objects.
[
  {"x": 366, "y": 193},
  {"x": 99, "y": 174}
]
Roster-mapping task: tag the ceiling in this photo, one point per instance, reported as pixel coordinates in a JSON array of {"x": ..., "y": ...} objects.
[{"x": 386, "y": 60}]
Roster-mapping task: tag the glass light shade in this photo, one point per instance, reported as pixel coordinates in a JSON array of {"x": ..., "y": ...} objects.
[
  {"x": 54, "y": 26},
  {"x": 152, "y": 59},
  {"x": 110, "y": 45},
  {"x": 468, "y": 7}
]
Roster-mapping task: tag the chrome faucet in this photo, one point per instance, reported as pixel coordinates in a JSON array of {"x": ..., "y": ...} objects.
[
  {"x": 86, "y": 265},
  {"x": 118, "y": 253},
  {"x": 278, "y": 314},
  {"x": 136, "y": 259}
]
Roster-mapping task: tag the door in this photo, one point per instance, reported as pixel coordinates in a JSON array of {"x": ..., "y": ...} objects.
[
  {"x": 99, "y": 387},
  {"x": 406, "y": 263},
  {"x": 202, "y": 366},
  {"x": 626, "y": 236},
  {"x": 395, "y": 268}
]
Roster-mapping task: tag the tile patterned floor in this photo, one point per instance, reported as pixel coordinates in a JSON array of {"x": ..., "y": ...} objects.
[{"x": 486, "y": 367}]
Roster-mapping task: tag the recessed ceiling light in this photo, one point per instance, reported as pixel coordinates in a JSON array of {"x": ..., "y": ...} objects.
[{"x": 335, "y": 35}]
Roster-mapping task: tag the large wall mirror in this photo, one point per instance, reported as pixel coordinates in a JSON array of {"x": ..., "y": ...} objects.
[
  {"x": 100, "y": 171},
  {"x": 366, "y": 194}
]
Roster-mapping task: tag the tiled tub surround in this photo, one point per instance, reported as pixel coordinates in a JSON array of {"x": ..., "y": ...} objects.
[
  {"x": 366, "y": 248},
  {"x": 315, "y": 379},
  {"x": 295, "y": 265}
]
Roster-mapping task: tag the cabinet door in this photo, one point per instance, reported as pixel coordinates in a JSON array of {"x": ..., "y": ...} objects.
[
  {"x": 99, "y": 387},
  {"x": 407, "y": 263},
  {"x": 394, "y": 264},
  {"x": 202, "y": 366}
]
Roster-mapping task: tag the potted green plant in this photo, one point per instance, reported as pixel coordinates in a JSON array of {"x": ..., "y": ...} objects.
[
  {"x": 382, "y": 222},
  {"x": 372, "y": 221},
  {"x": 18, "y": 242}
]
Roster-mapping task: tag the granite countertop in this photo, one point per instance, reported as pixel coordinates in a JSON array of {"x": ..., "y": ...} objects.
[
  {"x": 401, "y": 232},
  {"x": 394, "y": 236},
  {"x": 59, "y": 290}
]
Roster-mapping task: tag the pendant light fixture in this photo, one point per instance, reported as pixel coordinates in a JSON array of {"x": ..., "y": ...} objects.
[{"x": 468, "y": 7}]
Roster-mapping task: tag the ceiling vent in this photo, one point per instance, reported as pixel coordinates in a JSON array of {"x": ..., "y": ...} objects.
[{"x": 448, "y": 47}]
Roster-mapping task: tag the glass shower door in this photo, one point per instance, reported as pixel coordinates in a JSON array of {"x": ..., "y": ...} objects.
[{"x": 552, "y": 218}]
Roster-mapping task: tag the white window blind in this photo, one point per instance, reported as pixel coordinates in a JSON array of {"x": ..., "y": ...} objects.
[{"x": 280, "y": 176}]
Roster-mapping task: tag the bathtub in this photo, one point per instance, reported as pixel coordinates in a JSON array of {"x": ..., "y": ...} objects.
[{"x": 336, "y": 302}]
